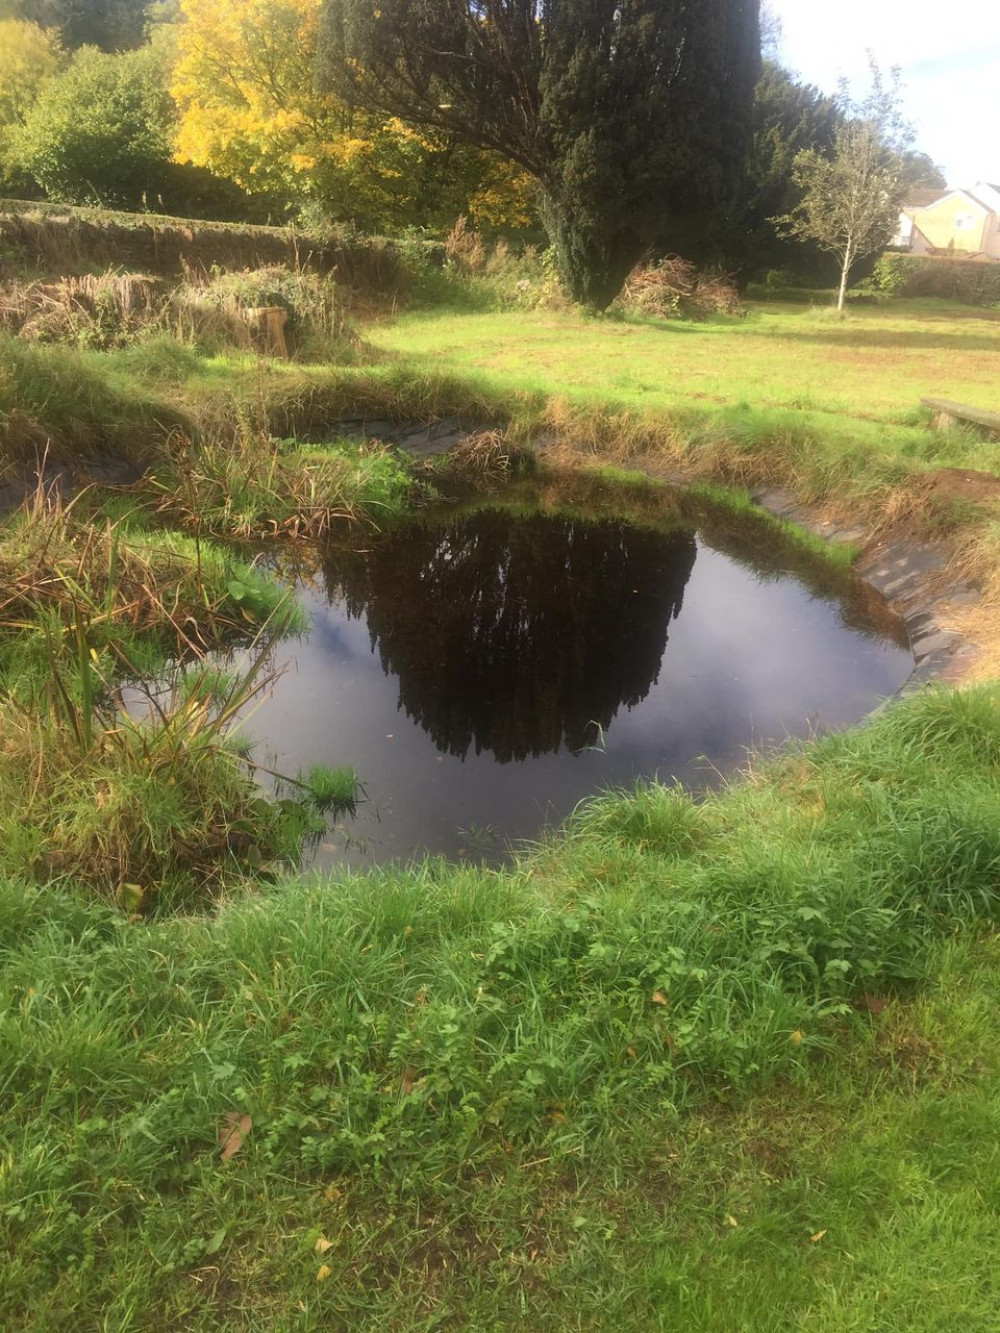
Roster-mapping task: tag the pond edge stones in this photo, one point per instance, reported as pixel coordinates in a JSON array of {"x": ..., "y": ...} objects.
[{"x": 912, "y": 577}]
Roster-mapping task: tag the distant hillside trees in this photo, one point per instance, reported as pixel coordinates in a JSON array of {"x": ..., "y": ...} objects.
[
  {"x": 29, "y": 57},
  {"x": 921, "y": 172},
  {"x": 789, "y": 117},
  {"x": 633, "y": 118},
  {"x": 110, "y": 25}
]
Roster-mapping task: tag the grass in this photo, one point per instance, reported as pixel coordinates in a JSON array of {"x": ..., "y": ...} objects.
[
  {"x": 254, "y": 486},
  {"x": 628, "y": 1081},
  {"x": 201, "y": 432},
  {"x": 874, "y": 366},
  {"x": 734, "y": 400},
  {"x": 725, "y": 1065},
  {"x": 60, "y": 405},
  {"x": 67, "y": 557}
]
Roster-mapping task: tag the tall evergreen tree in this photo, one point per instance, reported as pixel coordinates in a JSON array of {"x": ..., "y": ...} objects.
[
  {"x": 789, "y": 118},
  {"x": 632, "y": 114}
]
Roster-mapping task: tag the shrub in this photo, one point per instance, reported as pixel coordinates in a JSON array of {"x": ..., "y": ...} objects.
[
  {"x": 973, "y": 282},
  {"x": 468, "y": 272},
  {"x": 100, "y": 131},
  {"x": 316, "y": 325}
]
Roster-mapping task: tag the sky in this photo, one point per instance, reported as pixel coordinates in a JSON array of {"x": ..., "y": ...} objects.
[{"x": 950, "y": 72}]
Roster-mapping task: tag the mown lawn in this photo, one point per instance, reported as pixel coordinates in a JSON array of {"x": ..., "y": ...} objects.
[{"x": 876, "y": 364}]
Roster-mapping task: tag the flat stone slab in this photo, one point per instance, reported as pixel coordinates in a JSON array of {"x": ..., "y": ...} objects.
[{"x": 948, "y": 413}]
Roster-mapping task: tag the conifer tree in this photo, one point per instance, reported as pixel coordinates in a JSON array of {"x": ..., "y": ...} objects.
[{"x": 631, "y": 114}]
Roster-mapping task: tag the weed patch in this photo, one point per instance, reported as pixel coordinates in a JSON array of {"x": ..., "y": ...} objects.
[{"x": 255, "y": 486}]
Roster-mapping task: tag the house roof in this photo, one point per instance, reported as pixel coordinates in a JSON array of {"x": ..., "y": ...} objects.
[
  {"x": 982, "y": 194},
  {"x": 923, "y": 198},
  {"x": 986, "y": 194}
]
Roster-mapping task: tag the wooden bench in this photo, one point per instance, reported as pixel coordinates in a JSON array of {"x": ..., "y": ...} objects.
[{"x": 947, "y": 414}]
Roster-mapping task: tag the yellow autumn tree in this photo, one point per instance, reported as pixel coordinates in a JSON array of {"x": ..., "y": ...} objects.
[{"x": 243, "y": 84}]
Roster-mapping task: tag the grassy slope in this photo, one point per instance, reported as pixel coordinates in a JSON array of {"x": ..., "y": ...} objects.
[
  {"x": 439, "y": 1064},
  {"x": 624, "y": 1085}
]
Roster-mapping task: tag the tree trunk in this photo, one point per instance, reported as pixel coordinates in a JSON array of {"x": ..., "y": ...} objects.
[{"x": 845, "y": 269}]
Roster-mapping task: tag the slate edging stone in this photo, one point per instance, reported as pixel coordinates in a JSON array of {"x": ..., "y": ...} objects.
[{"x": 911, "y": 575}]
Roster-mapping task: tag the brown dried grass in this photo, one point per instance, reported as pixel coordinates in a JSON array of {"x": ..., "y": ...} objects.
[
  {"x": 53, "y": 558},
  {"x": 489, "y": 453},
  {"x": 674, "y": 288}
]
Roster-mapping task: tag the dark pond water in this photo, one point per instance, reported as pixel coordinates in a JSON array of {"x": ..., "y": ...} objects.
[{"x": 485, "y": 667}]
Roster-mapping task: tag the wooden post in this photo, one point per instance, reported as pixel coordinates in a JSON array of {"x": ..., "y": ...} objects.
[{"x": 267, "y": 324}]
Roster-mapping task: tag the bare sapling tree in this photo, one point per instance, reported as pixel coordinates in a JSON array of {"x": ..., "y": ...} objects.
[{"x": 850, "y": 201}]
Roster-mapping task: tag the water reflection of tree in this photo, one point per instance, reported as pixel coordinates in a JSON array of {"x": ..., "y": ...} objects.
[{"x": 517, "y": 635}]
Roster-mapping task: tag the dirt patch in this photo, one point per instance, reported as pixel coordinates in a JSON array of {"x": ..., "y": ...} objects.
[
  {"x": 981, "y": 489},
  {"x": 767, "y": 1156}
]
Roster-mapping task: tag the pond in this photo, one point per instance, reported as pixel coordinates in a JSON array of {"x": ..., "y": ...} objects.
[{"x": 486, "y": 665}]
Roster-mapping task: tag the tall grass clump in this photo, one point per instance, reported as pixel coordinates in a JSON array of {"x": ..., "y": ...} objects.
[
  {"x": 60, "y": 561},
  {"x": 115, "y": 310},
  {"x": 156, "y": 810},
  {"x": 100, "y": 311},
  {"x": 248, "y": 484},
  {"x": 148, "y": 803}
]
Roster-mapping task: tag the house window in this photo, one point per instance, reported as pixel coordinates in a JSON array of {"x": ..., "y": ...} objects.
[{"x": 964, "y": 221}]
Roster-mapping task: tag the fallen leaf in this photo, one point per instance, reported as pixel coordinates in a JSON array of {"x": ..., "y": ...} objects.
[
  {"x": 731, "y": 1221},
  {"x": 630, "y": 1052},
  {"x": 818, "y": 1236},
  {"x": 215, "y": 1244},
  {"x": 233, "y": 1130},
  {"x": 131, "y": 896},
  {"x": 796, "y": 1037},
  {"x": 658, "y": 997},
  {"x": 322, "y": 1245},
  {"x": 323, "y": 1272}
]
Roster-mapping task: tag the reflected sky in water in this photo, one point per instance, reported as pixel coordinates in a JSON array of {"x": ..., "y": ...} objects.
[{"x": 484, "y": 672}]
